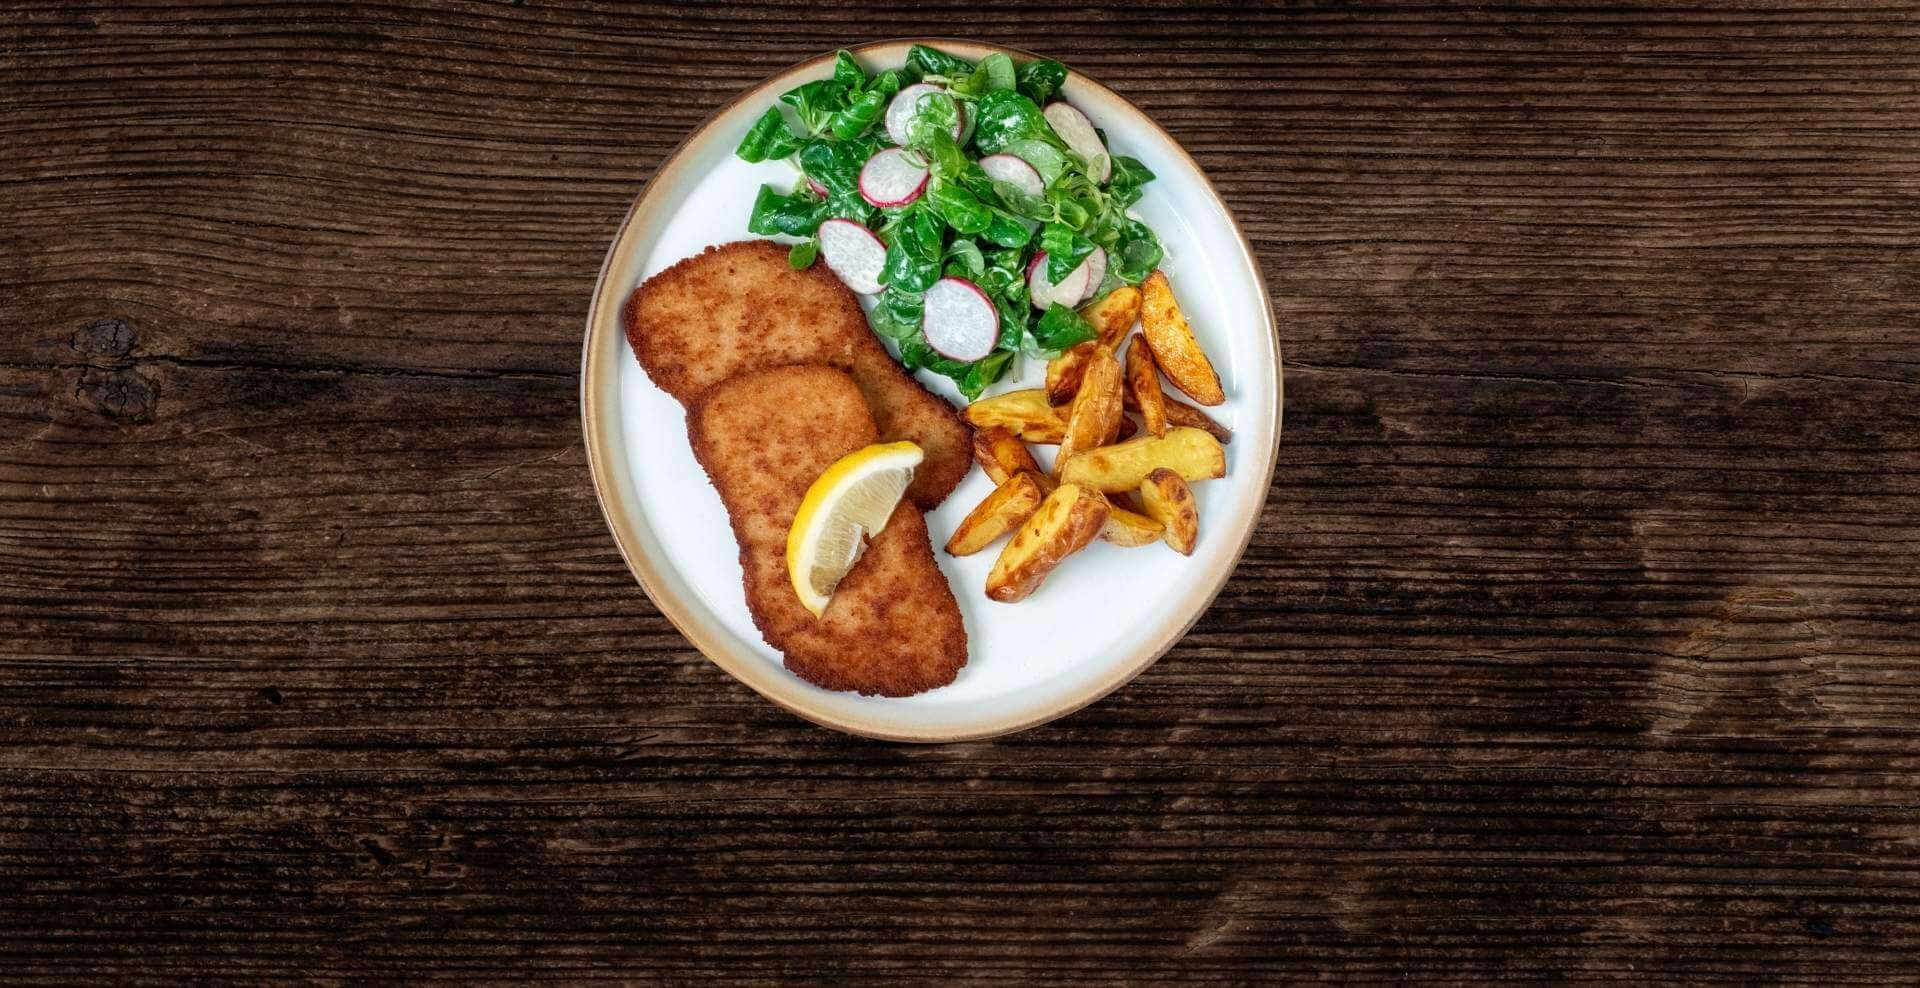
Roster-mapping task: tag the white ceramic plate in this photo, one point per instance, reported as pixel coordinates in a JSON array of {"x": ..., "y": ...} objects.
[{"x": 1101, "y": 618}]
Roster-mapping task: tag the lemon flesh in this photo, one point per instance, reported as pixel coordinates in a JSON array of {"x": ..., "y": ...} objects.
[{"x": 850, "y": 502}]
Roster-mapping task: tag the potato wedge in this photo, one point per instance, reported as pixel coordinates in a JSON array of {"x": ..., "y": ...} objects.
[
  {"x": 1179, "y": 413},
  {"x": 1066, "y": 521},
  {"x": 1094, "y": 418},
  {"x": 1170, "y": 502},
  {"x": 1026, "y": 414},
  {"x": 1191, "y": 453},
  {"x": 1143, "y": 386},
  {"x": 1113, "y": 317},
  {"x": 1001, "y": 454},
  {"x": 1174, "y": 348},
  {"x": 1065, "y": 371},
  {"x": 1029, "y": 417},
  {"x": 1126, "y": 527},
  {"x": 1114, "y": 314},
  {"x": 998, "y": 513}
]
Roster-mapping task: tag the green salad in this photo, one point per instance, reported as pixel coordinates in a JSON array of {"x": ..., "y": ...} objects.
[{"x": 976, "y": 207}]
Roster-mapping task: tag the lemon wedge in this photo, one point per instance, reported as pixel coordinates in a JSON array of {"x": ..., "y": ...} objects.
[{"x": 849, "y": 503}]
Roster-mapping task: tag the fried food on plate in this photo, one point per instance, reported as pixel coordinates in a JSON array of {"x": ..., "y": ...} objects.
[
  {"x": 999, "y": 513},
  {"x": 740, "y": 307},
  {"x": 1170, "y": 502},
  {"x": 1174, "y": 347},
  {"x": 1143, "y": 386},
  {"x": 1180, "y": 413},
  {"x": 892, "y": 627},
  {"x": 1112, "y": 317},
  {"x": 1114, "y": 314},
  {"x": 1065, "y": 371},
  {"x": 1067, "y": 520},
  {"x": 1094, "y": 418},
  {"x": 1191, "y": 453},
  {"x": 1126, "y": 527},
  {"x": 1001, "y": 454},
  {"x": 1026, "y": 414}
]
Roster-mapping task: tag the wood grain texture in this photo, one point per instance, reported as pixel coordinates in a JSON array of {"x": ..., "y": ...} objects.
[{"x": 1578, "y": 641}]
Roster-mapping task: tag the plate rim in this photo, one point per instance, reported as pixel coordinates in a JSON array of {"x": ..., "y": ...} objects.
[{"x": 613, "y": 510}]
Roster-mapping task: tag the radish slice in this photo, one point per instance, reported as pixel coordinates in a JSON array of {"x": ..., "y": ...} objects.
[
  {"x": 901, "y": 110},
  {"x": 1074, "y": 128},
  {"x": 907, "y": 102},
  {"x": 966, "y": 126},
  {"x": 891, "y": 178},
  {"x": 816, "y": 188},
  {"x": 1069, "y": 292},
  {"x": 854, "y": 253},
  {"x": 1096, "y": 265},
  {"x": 1013, "y": 171},
  {"x": 960, "y": 321}
]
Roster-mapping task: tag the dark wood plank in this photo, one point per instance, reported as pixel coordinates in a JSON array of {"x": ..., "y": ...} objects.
[{"x": 1578, "y": 641}]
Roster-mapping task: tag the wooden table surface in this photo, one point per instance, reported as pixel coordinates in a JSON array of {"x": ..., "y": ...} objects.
[{"x": 1578, "y": 640}]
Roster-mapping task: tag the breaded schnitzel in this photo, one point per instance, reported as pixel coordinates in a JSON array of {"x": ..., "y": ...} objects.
[
  {"x": 893, "y": 627},
  {"x": 740, "y": 307}
]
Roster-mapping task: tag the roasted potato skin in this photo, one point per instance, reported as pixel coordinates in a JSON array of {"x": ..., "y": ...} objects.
[
  {"x": 1191, "y": 453},
  {"x": 1143, "y": 386},
  {"x": 1126, "y": 527},
  {"x": 1001, "y": 454},
  {"x": 1065, "y": 522},
  {"x": 1025, "y": 413},
  {"x": 1174, "y": 348},
  {"x": 1093, "y": 420},
  {"x": 1065, "y": 372},
  {"x": 1112, "y": 317},
  {"x": 998, "y": 513},
  {"x": 1114, "y": 314},
  {"x": 1170, "y": 502},
  {"x": 1179, "y": 413}
]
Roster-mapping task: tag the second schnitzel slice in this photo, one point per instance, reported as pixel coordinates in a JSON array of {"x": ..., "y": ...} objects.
[
  {"x": 740, "y": 307},
  {"x": 893, "y": 627}
]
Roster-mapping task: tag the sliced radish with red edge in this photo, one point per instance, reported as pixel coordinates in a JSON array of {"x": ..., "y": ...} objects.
[
  {"x": 907, "y": 102},
  {"x": 1074, "y": 128},
  {"x": 816, "y": 188},
  {"x": 892, "y": 178},
  {"x": 854, "y": 253},
  {"x": 960, "y": 320},
  {"x": 1096, "y": 265},
  {"x": 1069, "y": 292},
  {"x": 1015, "y": 172}
]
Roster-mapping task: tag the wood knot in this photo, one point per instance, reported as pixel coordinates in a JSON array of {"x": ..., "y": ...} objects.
[
  {"x": 379, "y": 849},
  {"x": 109, "y": 337},
  {"x": 1762, "y": 664},
  {"x": 121, "y": 395}
]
